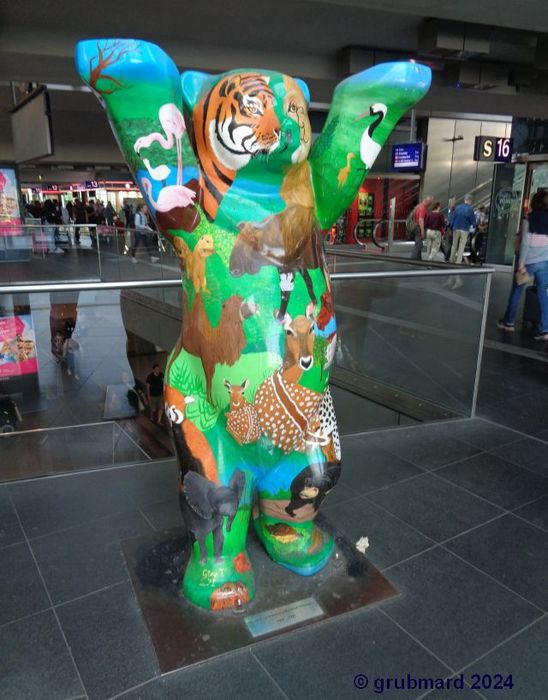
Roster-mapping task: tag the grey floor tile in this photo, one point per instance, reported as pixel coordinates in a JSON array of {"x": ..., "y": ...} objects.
[
  {"x": 85, "y": 558},
  {"x": 436, "y": 508},
  {"x": 523, "y": 656},
  {"x": 50, "y": 504},
  {"x": 462, "y": 692},
  {"x": 35, "y": 662},
  {"x": 500, "y": 482},
  {"x": 510, "y": 413},
  {"x": 109, "y": 641},
  {"x": 339, "y": 494},
  {"x": 454, "y": 609},
  {"x": 366, "y": 469},
  {"x": 235, "y": 676},
  {"x": 10, "y": 530},
  {"x": 483, "y": 434},
  {"x": 390, "y": 540},
  {"x": 425, "y": 448},
  {"x": 529, "y": 453},
  {"x": 366, "y": 642},
  {"x": 149, "y": 482},
  {"x": 164, "y": 514},
  {"x": 536, "y": 512},
  {"x": 542, "y": 435},
  {"x": 21, "y": 590},
  {"x": 507, "y": 549}
]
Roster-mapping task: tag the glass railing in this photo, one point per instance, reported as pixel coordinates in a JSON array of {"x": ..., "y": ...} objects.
[
  {"x": 62, "y": 449},
  {"x": 34, "y": 253},
  {"x": 74, "y": 359}
]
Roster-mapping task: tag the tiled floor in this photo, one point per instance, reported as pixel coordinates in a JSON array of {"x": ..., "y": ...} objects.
[{"x": 456, "y": 518}]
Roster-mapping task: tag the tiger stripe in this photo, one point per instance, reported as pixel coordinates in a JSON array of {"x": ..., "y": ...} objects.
[{"x": 216, "y": 119}]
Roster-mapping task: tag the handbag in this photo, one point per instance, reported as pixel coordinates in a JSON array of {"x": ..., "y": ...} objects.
[{"x": 523, "y": 277}]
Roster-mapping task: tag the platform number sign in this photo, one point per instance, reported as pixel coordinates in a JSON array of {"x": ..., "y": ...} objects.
[{"x": 497, "y": 149}]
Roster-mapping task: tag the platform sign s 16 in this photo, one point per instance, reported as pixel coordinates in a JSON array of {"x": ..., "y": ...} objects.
[{"x": 497, "y": 149}]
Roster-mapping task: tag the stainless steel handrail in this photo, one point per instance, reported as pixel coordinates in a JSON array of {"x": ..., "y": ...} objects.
[
  {"x": 355, "y": 231},
  {"x": 379, "y": 223},
  {"x": 136, "y": 284}
]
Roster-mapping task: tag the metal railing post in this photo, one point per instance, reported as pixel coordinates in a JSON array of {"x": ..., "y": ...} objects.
[{"x": 391, "y": 220}]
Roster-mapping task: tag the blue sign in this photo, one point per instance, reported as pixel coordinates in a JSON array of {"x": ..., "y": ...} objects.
[{"x": 408, "y": 157}]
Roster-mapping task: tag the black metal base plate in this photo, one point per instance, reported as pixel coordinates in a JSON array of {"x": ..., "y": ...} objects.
[{"x": 184, "y": 634}]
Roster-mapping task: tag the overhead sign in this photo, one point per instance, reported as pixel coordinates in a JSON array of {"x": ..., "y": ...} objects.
[
  {"x": 408, "y": 157},
  {"x": 496, "y": 149}
]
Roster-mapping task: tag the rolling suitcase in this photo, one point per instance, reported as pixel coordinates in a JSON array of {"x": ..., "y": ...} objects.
[{"x": 531, "y": 308}]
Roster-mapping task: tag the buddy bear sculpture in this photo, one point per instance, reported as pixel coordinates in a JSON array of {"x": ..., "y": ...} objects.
[{"x": 228, "y": 170}]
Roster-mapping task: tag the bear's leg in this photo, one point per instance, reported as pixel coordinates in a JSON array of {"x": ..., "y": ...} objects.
[
  {"x": 295, "y": 541},
  {"x": 224, "y": 578}
]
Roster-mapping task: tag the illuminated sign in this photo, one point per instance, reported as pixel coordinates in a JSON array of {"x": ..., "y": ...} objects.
[
  {"x": 497, "y": 149},
  {"x": 408, "y": 156}
]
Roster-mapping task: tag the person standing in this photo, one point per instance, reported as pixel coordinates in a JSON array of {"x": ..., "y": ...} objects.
[
  {"x": 110, "y": 214},
  {"x": 70, "y": 348},
  {"x": 51, "y": 220},
  {"x": 155, "y": 393},
  {"x": 435, "y": 222},
  {"x": 421, "y": 212},
  {"x": 464, "y": 220},
  {"x": 80, "y": 218},
  {"x": 142, "y": 234},
  {"x": 533, "y": 260}
]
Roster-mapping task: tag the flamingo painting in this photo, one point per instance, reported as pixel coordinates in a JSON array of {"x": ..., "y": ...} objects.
[
  {"x": 173, "y": 124},
  {"x": 160, "y": 172},
  {"x": 170, "y": 197},
  {"x": 369, "y": 149}
]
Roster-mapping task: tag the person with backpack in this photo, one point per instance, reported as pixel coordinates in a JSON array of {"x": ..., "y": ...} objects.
[
  {"x": 435, "y": 223},
  {"x": 416, "y": 227}
]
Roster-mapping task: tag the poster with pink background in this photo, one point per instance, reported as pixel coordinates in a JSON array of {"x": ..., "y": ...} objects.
[
  {"x": 17, "y": 346},
  {"x": 10, "y": 213}
]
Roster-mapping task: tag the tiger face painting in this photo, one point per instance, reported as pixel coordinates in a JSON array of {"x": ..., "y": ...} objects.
[{"x": 233, "y": 122}]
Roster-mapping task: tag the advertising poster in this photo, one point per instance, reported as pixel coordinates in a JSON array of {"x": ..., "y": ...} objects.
[
  {"x": 10, "y": 213},
  {"x": 17, "y": 346}
]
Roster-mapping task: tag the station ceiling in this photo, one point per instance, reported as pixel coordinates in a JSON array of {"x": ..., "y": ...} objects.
[{"x": 318, "y": 40}]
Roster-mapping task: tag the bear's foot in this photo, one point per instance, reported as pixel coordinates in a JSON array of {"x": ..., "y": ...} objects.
[
  {"x": 299, "y": 546},
  {"x": 219, "y": 584}
]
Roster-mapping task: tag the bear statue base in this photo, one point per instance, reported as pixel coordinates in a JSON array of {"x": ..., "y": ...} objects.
[{"x": 184, "y": 634}]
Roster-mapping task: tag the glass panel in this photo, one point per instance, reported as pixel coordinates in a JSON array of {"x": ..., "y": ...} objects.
[
  {"x": 74, "y": 365},
  {"x": 37, "y": 453},
  {"x": 504, "y": 212},
  {"x": 400, "y": 338},
  {"x": 42, "y": 253}
]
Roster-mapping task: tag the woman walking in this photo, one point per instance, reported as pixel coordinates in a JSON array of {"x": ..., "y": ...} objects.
[{"x": 533, "y": 259}]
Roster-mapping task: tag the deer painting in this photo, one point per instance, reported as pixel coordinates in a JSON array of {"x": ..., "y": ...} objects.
[{"x": 227, "y": 166}]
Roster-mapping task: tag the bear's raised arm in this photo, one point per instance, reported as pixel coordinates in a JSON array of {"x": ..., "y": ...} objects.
[
  {"x": 365, "y": 109},
  {"x": 140, "y": 88}
]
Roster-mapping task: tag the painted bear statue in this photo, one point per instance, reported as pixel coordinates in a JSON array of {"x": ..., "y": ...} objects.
[{"x": 229, "y": 171}]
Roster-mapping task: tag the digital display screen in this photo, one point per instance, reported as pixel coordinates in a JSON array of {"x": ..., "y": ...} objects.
[{"x": 408, "y": 156}]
